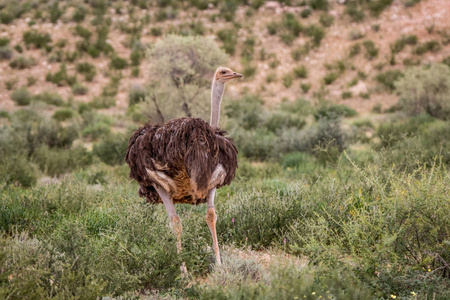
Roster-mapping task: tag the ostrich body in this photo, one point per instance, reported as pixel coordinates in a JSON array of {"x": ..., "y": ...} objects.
[{"x": 185, "y": 161}]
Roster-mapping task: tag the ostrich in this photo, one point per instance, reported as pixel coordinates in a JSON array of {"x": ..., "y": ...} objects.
[{"x": 185, "y": 161}]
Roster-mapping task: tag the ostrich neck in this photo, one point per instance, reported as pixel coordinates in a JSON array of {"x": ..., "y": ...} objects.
[{"x": 216, "y": 96}]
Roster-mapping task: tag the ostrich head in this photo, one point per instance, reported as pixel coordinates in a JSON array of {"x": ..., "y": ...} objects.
[{"x": 225, "y": 74}]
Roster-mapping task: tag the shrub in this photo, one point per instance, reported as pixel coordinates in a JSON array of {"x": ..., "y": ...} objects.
[
  {"x": 371, "y": 49},
  {"x": 287, "y": 80},
  {"x": 290, "y": 22},
  {"x": 4, "y": 41},
  {"x": 388, "y": 78},
  {"x": 229, "y": 39},
  {"x": 136, "y": 57},
  {"x": 39, "y": 40},
  {"x": 305, "y": 13},
  {"x": 355, "y": 13},
  {"x": 55, "y": 162},
  {"x": 16, "y": 170},
  {"x": 426, "y": 90},
  {"x": 83, "y": 32},
  {"x": 79, "y": 89},
  {"x": 21, "y": 96},
  {"x": 305, "y": 87},
  {"x": 346, "y": 94},
  {"x": 64, "y": 114},
  {"x": 316, "y": 33},
  {"x": 136, "y": 94},
  {"x": 326, "y": 19},
  {"x": 355, "y": 49},
  {"x": 430, "y": 46},
  {"x": 102, "y": 102},
  {"x": 328, "y": 110},
  {"x": 88, "y": 70},
  {"x": 22, "y": 62},
  {"x": 6, "y": 17},
  {"x": 10, "y": 83},
  {"x": 55, "y": 12},
  {"x": 5, "y": 53},
  {"x": 402, "y": 42},
  {"x": 118, "y": 63},
  {"x": 111, "y": 149},
  {"x": 156, "y": 31},
  {"x": 79, "y": 14},
  {"x": 31, "y": 80},
  {"x": 301, "y": 72},
  {"x": 49, "y": 98},
  {"x": 61, "y": 77},
  {"x": 330, "y": 77}
]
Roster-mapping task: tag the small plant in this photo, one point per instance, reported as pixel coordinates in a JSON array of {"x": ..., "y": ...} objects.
[
  {"x": 305, "y": 87},
  {"x": 136, "y": 94},
  {"x": 135, "y": 72},
  {"x": 61, "y": 77},
  {"x": 318, "y": 4},
  {"x": 229, "y": 40},
  {"x": 49, "y": 98},
  {"x": 297, "y": 52},
  {"x": 371, "y": 49},
  {"x": 102, "y": 102},
  {"x": 326, "y": 19},
  {"x": 330, "y": 77},
  {"x": 55, "y": 12},
  {"x": 305, "y": 13},
  {"x": 21, "y": 96},
  {"x": 287, "y": 37},
  {"x": 22, "y": 62},
  {"x": 400, "y": 44},
  {"x": 430, "y": 46},
  {"x": 4, "y": 42},
  {"x": 79, "y": 14},
  {"x": 83, "y": 32},
  {"x": 388, "y": 78},
  {"x": 64, "y": 114},
  {"x": 355, "y": 49},
  {"x": 317, "y": 33},
  {"x": 249, "y": 71},
  {"x": 346, "y": 94},
  {"x": 87, "y": 70},
  {"x": 39, "y": 40},
  {"x": 287, "y": 80},
  {"x": 271, "y": 77},
  {"x": 272, "y": 28},
  {"x": 10, "y": 83},
  {"x": 355, "y": 13},
  {"x": 301, "y": 72},
  {"x": 156, "y": 31},
  {"x": 79, "y": 89},
  {"x": 136, "y": 57}
]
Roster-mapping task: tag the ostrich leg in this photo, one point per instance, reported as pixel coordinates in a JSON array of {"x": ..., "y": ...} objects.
[
  {"x": 211, "y": 219},
  {"x": 175, "y": 222}
]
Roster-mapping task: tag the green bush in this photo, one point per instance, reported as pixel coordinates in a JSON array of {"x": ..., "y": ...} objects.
[
  {"x": 305, "y": 87},
  {"x": 330, "y": 110},
  {"x": 371, "y": 49},
  {"x": 330, "y": 77},
  {"x": 79, "y": 14},
  {"x": 229, "y": 39},
  {"x": 287, "y": 80},
  {"x": 39, "y": 40},
  {"x": 16, "y": 170},
  {"x": 426, "y": 89},
  {"x": 21, "y": 96},
  {"x": 111, "y": 149},
  {"x": 316, "y": 33},
  {"x": 118, "y": 63},
  {"x": 64, "y": 114},
  {"x": 136, "y": 94},
  {"x": 430, "y": 46},
  {"x": 79, "y": 89},
  {"x": 388, "y": 78},
  {"x": 5, "y": 53},
  {"x": 61, "y": 77},
  {"x": 22, "y": 62},
  {"x": 301, "y": 72},
  {"x": 87, "y": 70},
  {"x": 400, "y": 43},
  {"x": 50, "y": 98},
  {"x": 55, "y": 162}
]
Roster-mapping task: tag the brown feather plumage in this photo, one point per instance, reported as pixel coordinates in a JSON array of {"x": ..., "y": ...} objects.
[{"x": 186, "y": 150}]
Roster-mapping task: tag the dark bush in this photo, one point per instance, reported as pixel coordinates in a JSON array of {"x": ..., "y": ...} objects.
[
  {"x": 22, "y": 62},
  {"x": 21, "y": 96},
  {"x": 118, "y": 63},
  {"x": 388, "y": 78},
  {"x": 50, "y": 98},
  {"x": 5, "y": 53},
  {"x": 330, "y": 110},
  {"x": 39, "y": 40},
  {"x": 55, "y": 162},
  {"x": 88, "y": 70},
  {"x": 64, "y": 114},
  {"x": 111, "y": 149}
]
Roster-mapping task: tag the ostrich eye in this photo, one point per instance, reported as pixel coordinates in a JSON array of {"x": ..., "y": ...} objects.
[{"x": 224, "y": 72}]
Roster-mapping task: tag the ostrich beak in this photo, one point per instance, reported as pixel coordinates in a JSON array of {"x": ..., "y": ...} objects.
[{"x": 237, "y": 75}]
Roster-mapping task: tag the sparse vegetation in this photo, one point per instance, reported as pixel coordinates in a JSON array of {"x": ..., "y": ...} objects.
[{"x": 326, "y": 203}]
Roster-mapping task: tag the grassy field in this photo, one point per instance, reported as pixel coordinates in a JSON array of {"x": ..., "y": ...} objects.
[{"x": 343, "y": 185}]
